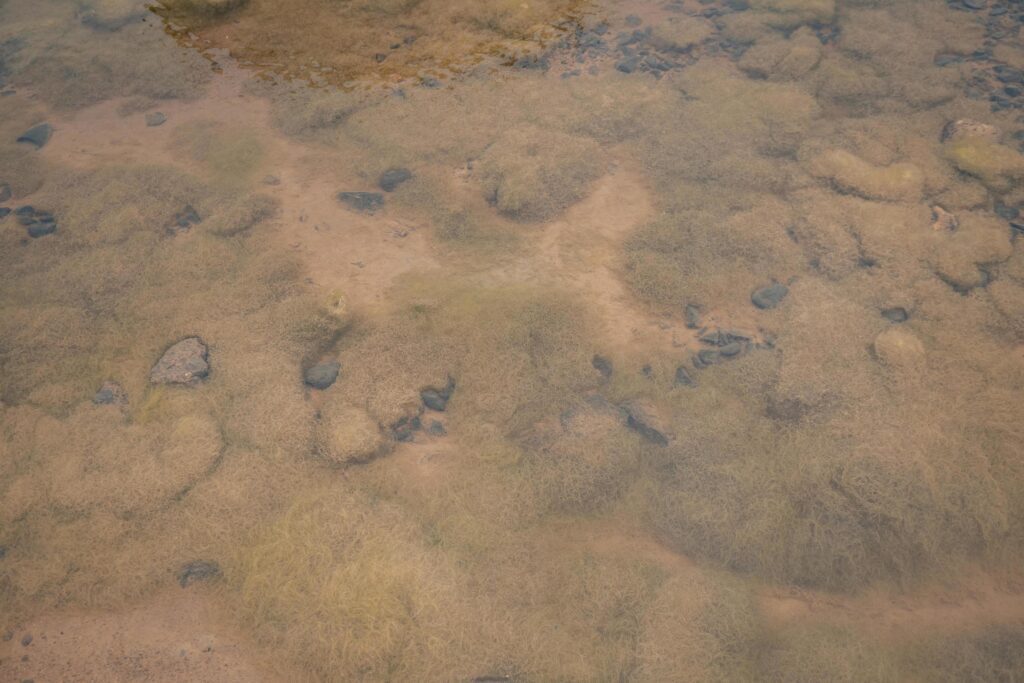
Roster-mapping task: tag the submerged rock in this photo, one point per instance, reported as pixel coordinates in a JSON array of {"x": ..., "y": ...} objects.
[
  {"x": 943, "y": 220},
  {"x": 199, "y": 570},
  {"x": 997, "y": 166},
  {"x": 322, "y": 375},
  {"x": 109, "y": 394},
  {"x": 367, "y": 202},
  {"x": 900, "y": 349},
  {"x": 393, "y": 177},
  {"x": 900, "y": 181},
  {"x": 770, "y": 296},
  {"x": 643, "y": 417},
  {"x": 183, "y": 363},
  {"x": 602, "y": 365},
  {"x": 38, "y": 223},
  {"x": 347, "y": 435},
  {"x": 683, "y": 378},
  {"x": 967, "y": 128},
  {"x": 405, "y": 428},
  {"x": 692, "y": 315},
  {"x": 437, "y": 399},
  {"x": 896, "y": 314},
  {"x": 37, "y": 135}
]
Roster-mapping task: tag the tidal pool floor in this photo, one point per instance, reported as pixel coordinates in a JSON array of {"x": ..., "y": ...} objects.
[{"x": 638, "y": 340}]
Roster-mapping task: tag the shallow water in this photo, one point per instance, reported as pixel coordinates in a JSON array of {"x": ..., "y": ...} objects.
[{"x": 496, "y": 341}]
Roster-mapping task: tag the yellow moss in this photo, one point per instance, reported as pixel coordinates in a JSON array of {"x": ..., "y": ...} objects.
[
  {"x": 897, "y": 182},
  {"x": 996, "y": 165}
]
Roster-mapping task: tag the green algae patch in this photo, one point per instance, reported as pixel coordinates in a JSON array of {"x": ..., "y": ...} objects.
[
  {"x": 897, "y": 182},
  {"x": 999, "y": 167}
]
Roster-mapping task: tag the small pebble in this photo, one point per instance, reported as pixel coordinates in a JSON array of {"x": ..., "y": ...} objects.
[
  {"x": 199, "y": 570},
  {"x": 896, "y": 314},
  {"x": 322, "y": 375},
  {"x": 26, "y": 639},
  {"x": 110, "y": 393},
  {"x": 271, "y": 180},
  {"x": 185, "y": 219},
  {"x": 731, "y": 349},
  {"x": 393, "y": 177},
  {"x": 683, "y": 378},
  {"x": 770, "y": 296},
  {"x": 692, "y": 315},
  {"x": 155, "y": 118},
  {"x": 434, "y": 399},
  {"x": 603, "y": 365},
  {"x": 37, "y": 136},
  {"x": 437, "y": 429},
  {"x": 367, "y": 202}
]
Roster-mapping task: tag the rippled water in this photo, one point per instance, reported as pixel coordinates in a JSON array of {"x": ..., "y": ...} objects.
[{"x": 489, "y": 340}]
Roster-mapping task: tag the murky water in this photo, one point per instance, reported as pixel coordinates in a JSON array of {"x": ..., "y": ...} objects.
[{"x": 423, "y": 340}]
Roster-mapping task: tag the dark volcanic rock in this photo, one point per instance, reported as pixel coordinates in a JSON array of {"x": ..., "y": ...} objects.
[
  {"x": 770, "y": 296},
  {"x": 367, "y": 202},
  {"x": 183, "y": 363},
  {"x": 393, "y": 177},
  {"x": 37, "y": 136},
  {"x": 322, "y": 375},
  {"x": 199, "y": 570},
  {"x": 110, "y": 393}
]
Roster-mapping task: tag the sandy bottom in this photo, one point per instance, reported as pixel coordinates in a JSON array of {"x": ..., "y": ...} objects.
[{"x": 178, "y": 635}]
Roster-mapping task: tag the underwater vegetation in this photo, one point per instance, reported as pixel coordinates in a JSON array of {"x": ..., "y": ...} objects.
[{"x": 617, "y": 341}]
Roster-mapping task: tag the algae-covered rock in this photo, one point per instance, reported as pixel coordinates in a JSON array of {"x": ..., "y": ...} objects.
[
  {"x": 783, "y": 58},
  {"x": 348, "y": 435},
  {"x": 532, "y": 174},
  {"x": 204, "y": 7},
  {"x": 680, "y": 33},
  {"x": 997, "y": 166},
  {"x": 899, "y": 349},
  {"x": 959, "y": 255},
  {"x": 785, "y": 14},
  {"x": 849, "y": 173}
]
